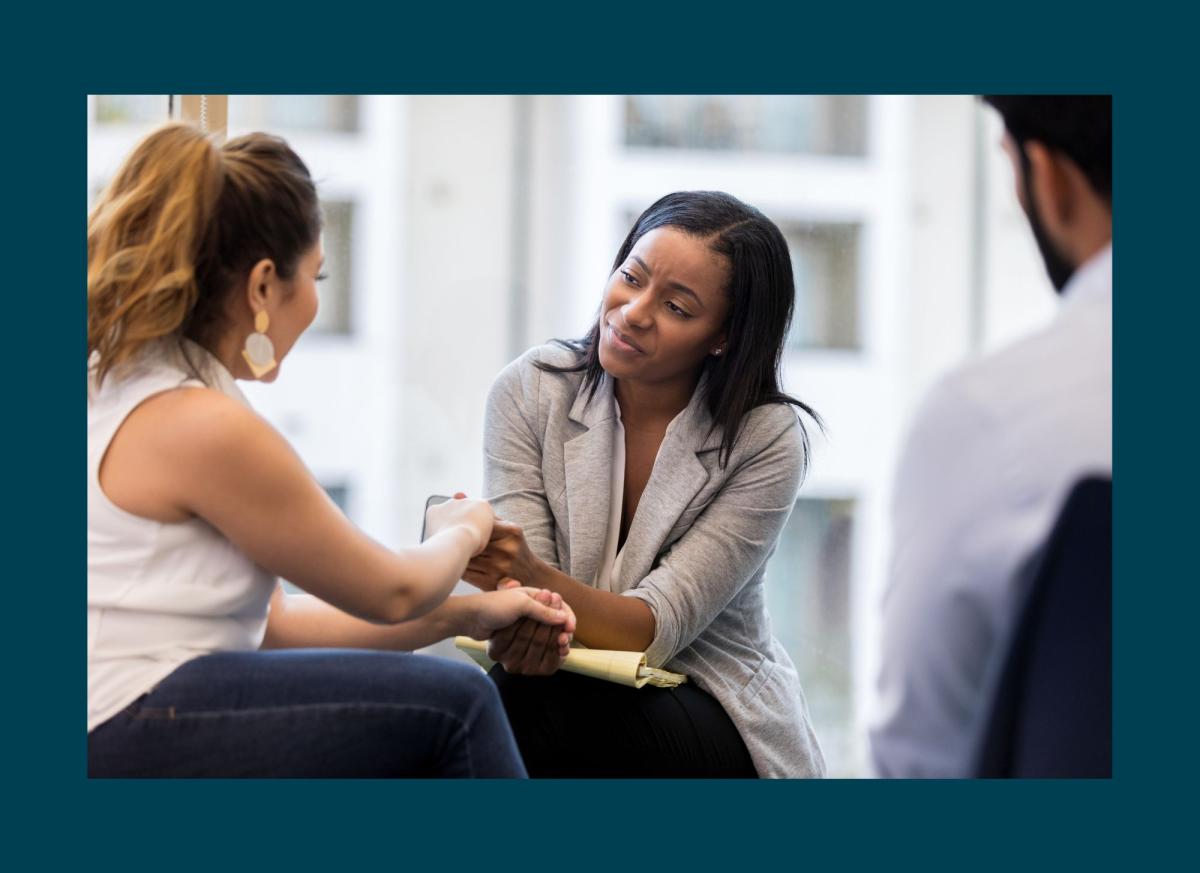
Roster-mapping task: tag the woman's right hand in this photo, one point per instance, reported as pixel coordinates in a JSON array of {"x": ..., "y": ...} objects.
[{"x": 461, "y": 511}]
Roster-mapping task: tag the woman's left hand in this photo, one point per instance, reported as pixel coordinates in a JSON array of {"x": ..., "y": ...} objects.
[
  {"x": 530, "y": 648},
  {"x": 506, "y": 556}
]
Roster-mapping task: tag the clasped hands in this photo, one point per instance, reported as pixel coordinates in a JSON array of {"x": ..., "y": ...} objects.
[{"x": 527, "y": 646}]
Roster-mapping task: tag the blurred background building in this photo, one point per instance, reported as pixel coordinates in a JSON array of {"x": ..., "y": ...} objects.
[{"x": 463, "y": 229}]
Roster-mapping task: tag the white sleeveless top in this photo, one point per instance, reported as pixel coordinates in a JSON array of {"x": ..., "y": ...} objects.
[{"x": 158, "y": 594}]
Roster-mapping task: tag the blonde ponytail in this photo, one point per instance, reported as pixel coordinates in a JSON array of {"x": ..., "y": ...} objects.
[
  {"x": 145, "y": 236},
  {"x": 180, "y": 226}
]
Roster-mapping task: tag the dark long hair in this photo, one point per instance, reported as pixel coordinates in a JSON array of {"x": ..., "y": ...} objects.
[{"x": 761, "y": 293}]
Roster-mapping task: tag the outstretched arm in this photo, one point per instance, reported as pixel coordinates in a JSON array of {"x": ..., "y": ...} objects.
[
  {"x": 304, "y": 621},
  {"x": 195, "y": 452}
]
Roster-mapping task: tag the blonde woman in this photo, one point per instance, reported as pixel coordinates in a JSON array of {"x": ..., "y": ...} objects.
[{"x": 203, "y": 263}]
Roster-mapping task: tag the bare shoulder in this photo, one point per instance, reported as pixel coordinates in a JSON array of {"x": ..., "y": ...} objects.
[
  {"x": 195, "y": 420},
  {"x": 174, "y": 440},
  {"x": 188, "y": 432}
]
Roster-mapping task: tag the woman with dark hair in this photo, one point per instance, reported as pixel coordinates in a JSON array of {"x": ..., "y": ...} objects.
[
  {"x": 203, "y": 264},
  {"x": 645, "y": 473}
]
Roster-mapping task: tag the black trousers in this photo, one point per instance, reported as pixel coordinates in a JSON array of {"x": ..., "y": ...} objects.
[{"x": 570, "y": 726}]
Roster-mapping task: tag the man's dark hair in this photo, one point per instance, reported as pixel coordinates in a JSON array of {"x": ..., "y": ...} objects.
[
  {"x": 1078, "y": 126},
  {"x": 761, "y": 294}
]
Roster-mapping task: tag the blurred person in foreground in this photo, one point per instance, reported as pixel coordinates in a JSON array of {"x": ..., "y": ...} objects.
[
  {"x": 994, "y": 451},
  {"x": 203, "y": 264}
]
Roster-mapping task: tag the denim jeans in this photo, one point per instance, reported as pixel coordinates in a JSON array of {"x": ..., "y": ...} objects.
[{"x": 311, "y": 713}]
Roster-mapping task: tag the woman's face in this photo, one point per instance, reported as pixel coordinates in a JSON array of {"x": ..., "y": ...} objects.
[
  {"x": 296, "y": 307},
  {"x": 664, "y": 308}
]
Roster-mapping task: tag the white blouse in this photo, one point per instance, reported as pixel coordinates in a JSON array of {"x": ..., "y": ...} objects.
[
  {"x": 158, "y": 594},
  {"x": 610, "y": 559}
]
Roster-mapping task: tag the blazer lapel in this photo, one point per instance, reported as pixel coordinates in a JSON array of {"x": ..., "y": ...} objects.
[
  {"x": 676, "y": 479},
  {"x": 588, "y": 471}
]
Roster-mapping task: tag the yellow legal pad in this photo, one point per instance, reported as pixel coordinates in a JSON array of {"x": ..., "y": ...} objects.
[{"x": 624, "y": 668}]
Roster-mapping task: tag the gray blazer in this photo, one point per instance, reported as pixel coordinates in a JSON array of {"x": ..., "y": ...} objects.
[{"x": 696, "y": 549}]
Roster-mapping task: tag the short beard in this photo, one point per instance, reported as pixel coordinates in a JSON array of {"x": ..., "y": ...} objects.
[{"x": 1059, "y": 268}]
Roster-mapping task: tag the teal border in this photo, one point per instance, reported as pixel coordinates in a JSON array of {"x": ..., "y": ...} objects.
[{"x": 59, "y": 816}]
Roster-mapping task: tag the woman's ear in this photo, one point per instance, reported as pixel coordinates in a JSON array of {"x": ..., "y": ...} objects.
[
  {"x": 260, "y": 285},
  {"x": 720, "y": 344}
]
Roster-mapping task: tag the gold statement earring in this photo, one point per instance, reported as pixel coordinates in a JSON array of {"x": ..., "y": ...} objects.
[{"x": 259, "y": 351}]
